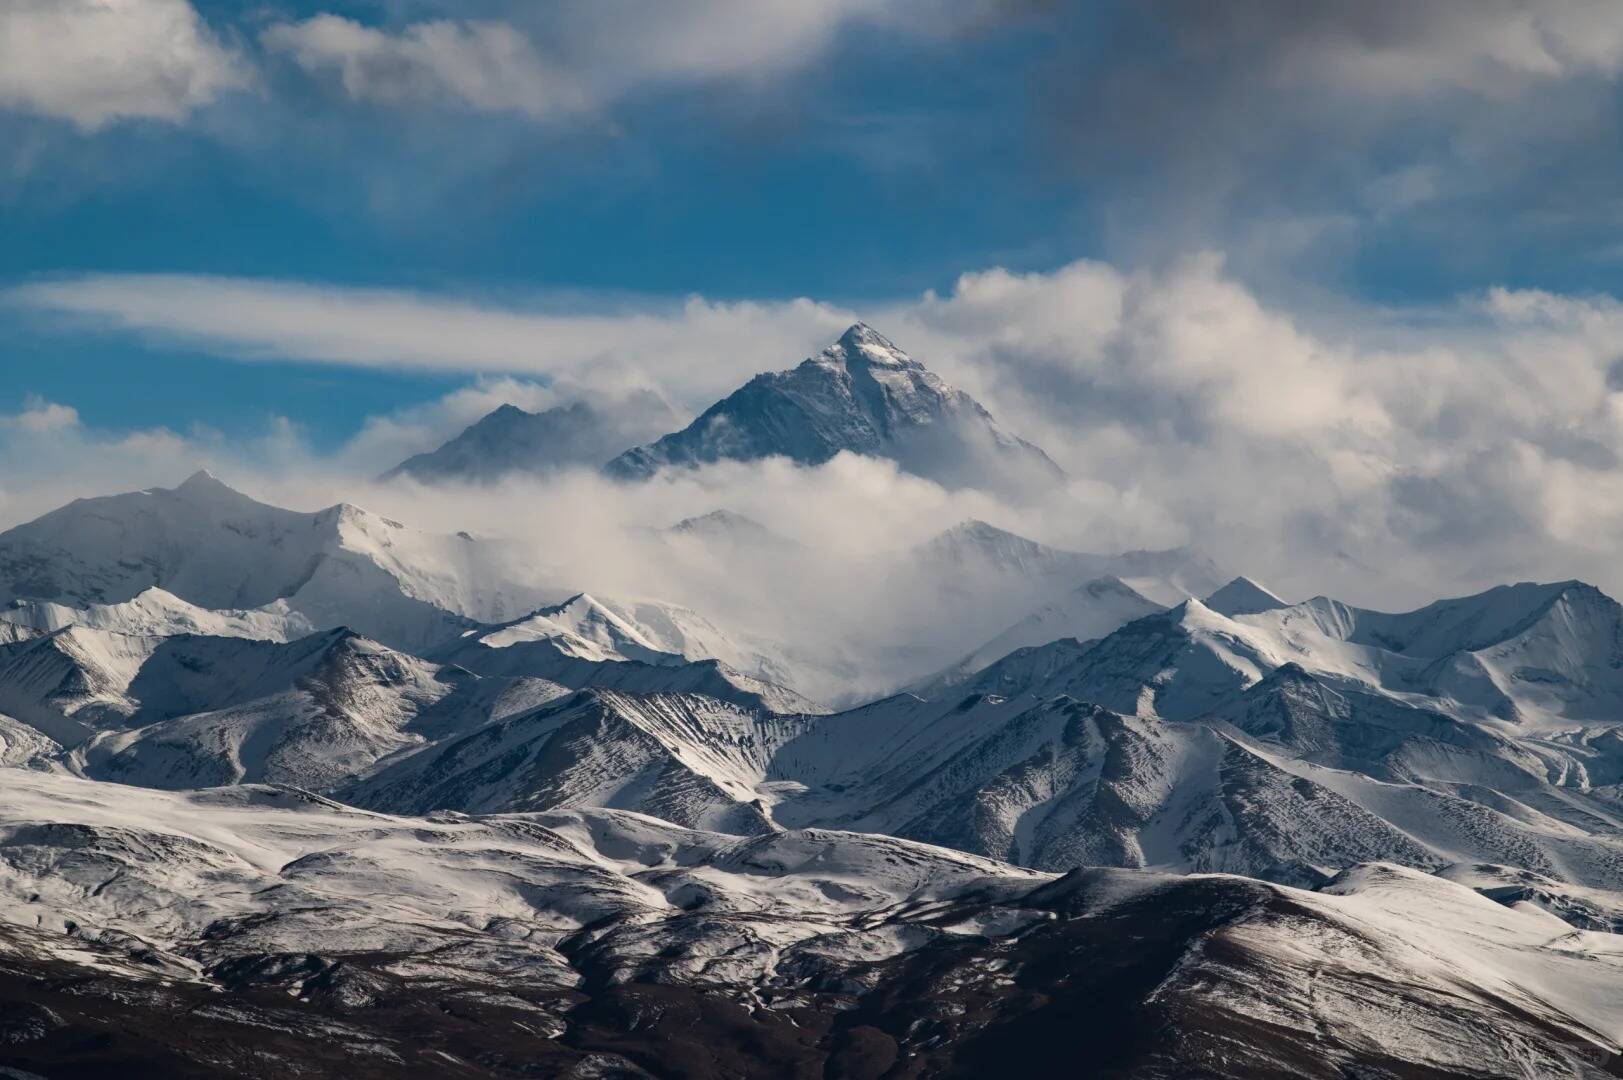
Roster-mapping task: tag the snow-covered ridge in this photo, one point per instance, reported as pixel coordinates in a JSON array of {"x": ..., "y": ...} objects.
[
  {"x": 1242, "y": 596},
  {"x": 191, "y": 559},
  {"x": 585, "y": 627},
  {"x": 688, "y": 758},
  {"x": 979, "y": 550},
  {"x": 156, "y": 612},
  {"x": 140, "y": 896},
  {"x": 1537, "y": 656},
  {"x": 256, "y": 868},
  {"x": 215, "y": 548}
]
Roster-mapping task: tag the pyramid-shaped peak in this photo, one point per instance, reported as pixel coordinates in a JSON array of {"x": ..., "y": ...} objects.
[
  {"x": 1242, "y": 596},
  {"x": 718, "y": 520},
  {"x": 978, "y": 535},
  {"x": 862, "y": 340},
  {"x": 975, "y": 527},
  {"x": 859, "y": 334},
  {"x": 201, "y": 480},
  {"x": 861, "y": 395},
  {"x": 203, "y": 484}
]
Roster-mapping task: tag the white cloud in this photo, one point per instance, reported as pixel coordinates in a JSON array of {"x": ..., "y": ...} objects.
[
  {"x": 92, "y": 62},
  {"x": 39, "y": 415},
  {"x": 549, "y": 60},
  {"x": 690, "y": 349},
  {"x": 625, "y": 42},
  {"x": 1445, "y": 449},
  {"x": 488, "y": 66},
  {"x": 1385, "y": 456},
  {"x": 49, "y": 456}
]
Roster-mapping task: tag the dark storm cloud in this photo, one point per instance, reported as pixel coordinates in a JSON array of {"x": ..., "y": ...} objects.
[{"x": 1279, "y": 130}]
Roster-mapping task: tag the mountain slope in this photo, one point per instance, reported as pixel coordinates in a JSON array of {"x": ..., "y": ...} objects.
[
  {"x": 155, "y": 612},
  {"x": 862, "y": 395},
  {"x": 315, "y": 712},
  {"x": 973, "y": 553},
  {"x": 1281, "y": 744},
  {"x": 1242, "y": 596},
  {"x": 510, "y": 441},
  {"x": 692, "y": 760},
  {"x": 643, "y": 647},
  {"x": 1086, "y": 613},
  {"x": 215, "y": 548},
  {"x": 262, "y": 932},
  {"x": 71, "y": 682},
  {"x": 1291, "y": 785},
  {"x": 1534, "y": 656}
]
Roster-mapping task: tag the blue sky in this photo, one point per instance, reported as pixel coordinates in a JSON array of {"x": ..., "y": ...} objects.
[
  {"x": 857, "y": 152},
  {"x": 873, "y": 163},
  {"x": 1284, "y": 280}
]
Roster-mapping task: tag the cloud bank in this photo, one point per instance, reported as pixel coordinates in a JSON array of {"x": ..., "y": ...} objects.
[
  {"x": 1383, "y": 455},
  {"x": 91, "y": 62},
  {"x": 1314, "y": 135}
]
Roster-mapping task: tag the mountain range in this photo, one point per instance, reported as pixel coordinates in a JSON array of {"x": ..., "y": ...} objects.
[
  {"x": 340, "y": 791},
  {"x": 261, "y": 931},
  {"x": 862, "y": 395},
  {"x": 215, "y": 548},
  {"x": 509, "y": 440}
]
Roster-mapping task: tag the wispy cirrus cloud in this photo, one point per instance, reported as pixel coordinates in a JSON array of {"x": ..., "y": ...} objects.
[
  {"x": 487, "y": 66},
  {"x": 94, "y": 62},
  {"x": 549, "y": 60},
  {"x": 692, "y": 348}
]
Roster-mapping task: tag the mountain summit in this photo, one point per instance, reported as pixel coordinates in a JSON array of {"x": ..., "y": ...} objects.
[
  {"x": 212, "y": 547},
  {"x": 863, "y": 395},
  {"x": 1242, "y": 596},
  {"x": 510, "y": 440}
]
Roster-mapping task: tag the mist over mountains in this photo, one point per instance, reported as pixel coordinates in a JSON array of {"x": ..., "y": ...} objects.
[
  {"x": 891, "y": 788},
  {"x": 862, "y": 395},
  {"x": 835, "y": 540}
]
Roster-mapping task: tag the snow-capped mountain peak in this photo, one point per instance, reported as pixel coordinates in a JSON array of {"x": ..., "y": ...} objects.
[
  {"x": 1242, "y": 596},
  {"x": 587, "y": 629},
  {"x": 726, "y": 527},
  {"x": 861, "y": 395},
  {"x": 513, "y": 441},
  {"x": 864, "y": 342},
  {"x": 216, "y": 548},
  {"x": 156, "y": 612},
  {"x": 976, "y": 542},
  {"x": 203, "y": 482}
]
